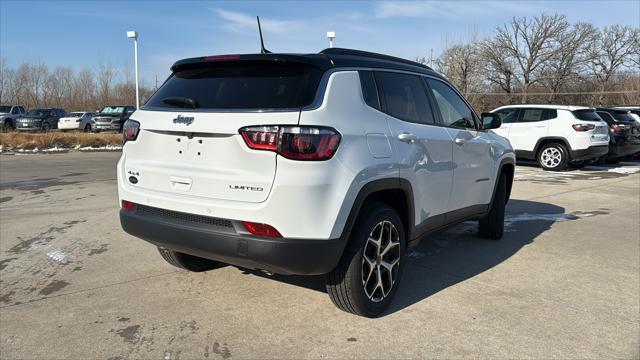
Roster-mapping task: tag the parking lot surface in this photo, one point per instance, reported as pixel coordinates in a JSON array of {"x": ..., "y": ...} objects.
[{"x": 564, "y": 282}]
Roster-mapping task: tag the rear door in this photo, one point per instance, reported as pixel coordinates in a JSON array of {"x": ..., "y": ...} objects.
[
  {"x": 424, "y": 148},
  {"x": 532, "y": 125},
  {"x": 189, "y": 143}
]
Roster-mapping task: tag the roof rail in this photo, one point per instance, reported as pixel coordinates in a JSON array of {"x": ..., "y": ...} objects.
[{"x": 342, "y": 51}]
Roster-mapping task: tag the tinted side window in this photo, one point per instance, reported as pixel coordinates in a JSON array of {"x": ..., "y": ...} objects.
[
  {"x": 550, "y": 114},
  {"x": 403, "y": 96},
  {"x": 532, "y": 115},
  {"x": 508, "y": 115},
  {"x": 586, "y": 114},
  {"x": 15, "y": 110},
  {"x": 453, "y": 109},
  {"x": 606, "y": 117},
  {"x": 369, "y": 91}
]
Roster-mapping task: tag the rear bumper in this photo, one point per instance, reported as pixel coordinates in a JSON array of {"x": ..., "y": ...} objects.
[
  {"x": 591, "y": 152},
  {"x": 622, "y": 146},
  {"x": 277, "y": 255}
]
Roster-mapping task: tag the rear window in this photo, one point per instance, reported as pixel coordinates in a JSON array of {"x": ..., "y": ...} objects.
[
  {"x": 587, "y": 115},
  {"x": 239, "y": 85},
  {"x": 623, "y": 116}
]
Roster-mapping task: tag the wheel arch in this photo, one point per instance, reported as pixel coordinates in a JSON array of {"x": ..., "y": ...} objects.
[
  {"x": 395, "y": 192},
  {"x": 551, "y": 139}
]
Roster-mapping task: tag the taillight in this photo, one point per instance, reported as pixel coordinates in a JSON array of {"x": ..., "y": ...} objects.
[
  {"x": 77, "y": 120},
  {"x": 619, "y": 127},
  {"x": 261, "y": 229},
  {"x": 130, "y": 130},
  {"x": 293, "y": 142},
  {"x": 583, "y": 127},
  {"x": 128, "y": 205},
  {"x": 261, "y": 137}
]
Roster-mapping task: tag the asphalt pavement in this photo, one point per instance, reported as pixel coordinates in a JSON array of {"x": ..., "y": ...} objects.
[{"x": 564, "y": 282}]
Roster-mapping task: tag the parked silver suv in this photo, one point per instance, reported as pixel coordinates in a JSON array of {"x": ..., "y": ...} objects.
[{"x": 332, "y": 163}]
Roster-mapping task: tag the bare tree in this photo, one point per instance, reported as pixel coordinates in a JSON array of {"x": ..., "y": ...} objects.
[
  {"x": 531, "y": 43},
  {"x": 570, "y": 57},
  {"x": 460, "y": 64},
  {"x": 85, "y": 90},
  {"x": 612, "y": 49},
  {"x": 58, "y": 86},
  {"x": 498, "y": 67},
  {"x": 105, "y": 76}
]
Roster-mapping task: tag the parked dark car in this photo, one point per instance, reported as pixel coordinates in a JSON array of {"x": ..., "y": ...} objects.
[
  {"x": 111, "y": 118},
  {"x": 624, "y": 134},
  {"x": 44, "y": 119},
  {"x": 8, "y": 116}
]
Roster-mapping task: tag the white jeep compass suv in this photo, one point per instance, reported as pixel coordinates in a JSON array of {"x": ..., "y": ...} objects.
[
  {"x": 555, "y": 136},
  {"x": 331, "y": 163}
]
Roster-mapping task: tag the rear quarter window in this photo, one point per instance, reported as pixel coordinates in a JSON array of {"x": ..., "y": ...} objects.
[
  {"x": 586, "y": 115},
  {"x": 239, "y": 85}
]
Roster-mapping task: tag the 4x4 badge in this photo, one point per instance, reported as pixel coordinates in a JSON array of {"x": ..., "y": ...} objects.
[{"x": 187, "y": 120}]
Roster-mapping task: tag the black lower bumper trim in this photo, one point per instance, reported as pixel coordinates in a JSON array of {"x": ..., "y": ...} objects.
[
  {"x": 277, "y": 255},
  {"x": 621, "y": 146},
  {"x": 591, "y": 152}
]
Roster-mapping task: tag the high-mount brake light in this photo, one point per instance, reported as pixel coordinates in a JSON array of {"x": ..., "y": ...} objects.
[
  {"x": 130, "y": 130},
  {"x": 261, "y": 229},
  {"x": 293, "y": 142},
  {"x": 583, "y": 127},
  {"x": 221, "y": 57}
]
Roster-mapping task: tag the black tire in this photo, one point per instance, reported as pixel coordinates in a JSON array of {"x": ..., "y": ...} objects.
[
  {"x": 87, "y": 128},
  {"x": 555, "y": 148},
  {"x": 46, "y": 127},
  {"x": 345, "y": 283},
  {"x": 188, "y": 262},
  {"x": 492, "y": 225},
  {"x": 7, "y": 126}
]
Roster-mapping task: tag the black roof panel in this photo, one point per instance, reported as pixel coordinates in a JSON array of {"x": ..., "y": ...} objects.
[{"x": 324, "y": 60}]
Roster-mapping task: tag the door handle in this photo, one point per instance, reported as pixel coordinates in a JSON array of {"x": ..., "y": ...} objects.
[
  {"x": 407, "y": 137},
  {"x": 460, "y": 141}
]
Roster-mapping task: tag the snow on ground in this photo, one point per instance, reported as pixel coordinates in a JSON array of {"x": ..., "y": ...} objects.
[{"x": 59, "y": 256}]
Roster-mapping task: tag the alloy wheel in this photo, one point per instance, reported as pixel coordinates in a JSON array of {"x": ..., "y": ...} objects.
[
  {"x": 551, "y": 157},
  {"x": 381, "y": 261}
]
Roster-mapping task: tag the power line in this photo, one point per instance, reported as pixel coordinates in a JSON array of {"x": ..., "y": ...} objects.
[{"x": 558, "y": 93}]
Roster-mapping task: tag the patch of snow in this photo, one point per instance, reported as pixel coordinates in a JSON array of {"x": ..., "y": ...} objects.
[
  {"x": 101, "y": 148},
  {"x": 59, "y": 256},
  {"x": 628, "y": 170},
  {"x": 55, "y": 149}
]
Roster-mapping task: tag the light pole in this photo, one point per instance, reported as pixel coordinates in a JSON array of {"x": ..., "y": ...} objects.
[
  {"x": 331, "y": 35},
  {"x": 134, "y": 35}
]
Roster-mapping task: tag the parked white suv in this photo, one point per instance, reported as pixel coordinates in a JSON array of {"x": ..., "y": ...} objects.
[
  {"x": 331, "y": 163},
  {"x": 555, "y": 136}
]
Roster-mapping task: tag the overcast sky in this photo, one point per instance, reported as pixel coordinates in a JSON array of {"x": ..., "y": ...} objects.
[{"x": 81, "y": 34}]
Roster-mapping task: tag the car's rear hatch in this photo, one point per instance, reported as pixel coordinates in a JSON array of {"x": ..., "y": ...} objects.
[{"x": 189, "y": 144}]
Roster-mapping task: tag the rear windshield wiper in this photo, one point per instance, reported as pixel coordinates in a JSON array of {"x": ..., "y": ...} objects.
[{"x": 182, "y": 102}]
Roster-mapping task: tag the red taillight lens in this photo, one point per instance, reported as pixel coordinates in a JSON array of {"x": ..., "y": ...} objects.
[
  {"x": 128, "y": 205},
  {"x": 130, "y": 130},
  {"x": 293, "y": 142},
  {"x": 583, "y": 127},
  {"x": 261, "y": 137},
  {"x": 618, "y": 127},
  {"x": 261, "y": 229},
  {"x": 77, "y": 120}
]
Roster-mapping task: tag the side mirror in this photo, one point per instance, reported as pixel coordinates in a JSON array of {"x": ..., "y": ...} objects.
[{"x": 490, "y": 121}]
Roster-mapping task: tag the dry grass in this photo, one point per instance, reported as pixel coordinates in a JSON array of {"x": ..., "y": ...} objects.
[{"x": 26, "y": 141}]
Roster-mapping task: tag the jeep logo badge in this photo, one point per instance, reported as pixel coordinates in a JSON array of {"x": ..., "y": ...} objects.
[{"x": 187, "y": 120}]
